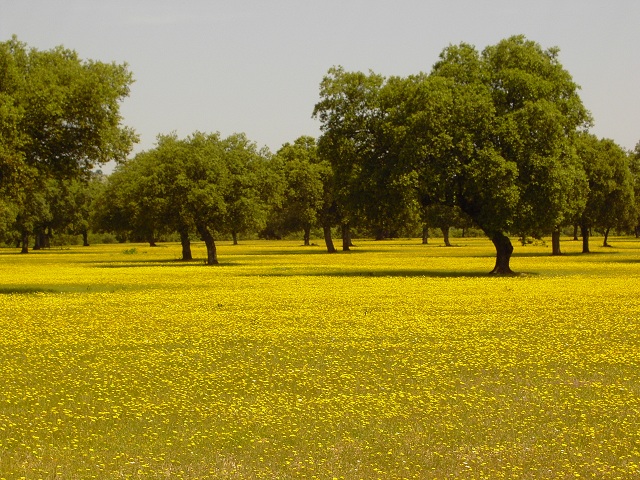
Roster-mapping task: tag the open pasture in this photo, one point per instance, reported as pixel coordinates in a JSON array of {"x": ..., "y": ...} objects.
[{"x": 396, "y": 360}]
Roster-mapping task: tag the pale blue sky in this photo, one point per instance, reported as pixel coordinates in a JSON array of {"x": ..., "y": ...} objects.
[{"x": 254, "y": 66}]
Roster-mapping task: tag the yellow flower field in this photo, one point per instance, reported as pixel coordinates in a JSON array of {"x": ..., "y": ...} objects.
[{"x": 396, "y": 360}]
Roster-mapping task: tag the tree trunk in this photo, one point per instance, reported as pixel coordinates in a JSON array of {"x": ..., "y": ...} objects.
[
  {"x": 40, "y": 240},
  {"x": 152, "y": 241},
  {"x": 25, "y": 243},
  {"x": 326, "y": 229},
  {"x": 584, "y": 230},
  {"x": 445, "y": 234},
  {"x": 307, "y": 236},
  {"x": 212, "y": 255},
  {"x": 504, "y": 249},
  {"x": 346, "y": 237},
  {"x": 425, "y": 235},
  {"x": 606, "y": 238},
  {"x": 234, "y": 235},
  {"x": 186, "y": 245},
  {"x": 575, "y": 233},
  {"x": 85, "y": 238},
  {"x": 555, "y": 242}
]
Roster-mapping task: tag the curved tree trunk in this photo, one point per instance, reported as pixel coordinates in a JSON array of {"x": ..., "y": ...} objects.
[
  {"x": 445, "y": 234},
  {"x": 584, "y": 230},
  {"x": 555, "y": 242},
  {"x": 425, "y": 235},
  {"x": 606, "y": 238},
  {"x": 504, "y": 249},
  {"x": 212, "y": 254},
  {"x": 186, "y": 245},
  {"x": 346, "y": 237},
  {"x": 326, "y": 229}
]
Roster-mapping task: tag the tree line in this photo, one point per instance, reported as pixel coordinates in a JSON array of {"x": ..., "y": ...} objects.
[{"x": 497, "y": 139}]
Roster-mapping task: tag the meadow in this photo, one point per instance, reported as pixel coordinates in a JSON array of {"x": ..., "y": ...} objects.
[{"x": 396, "y": 360}]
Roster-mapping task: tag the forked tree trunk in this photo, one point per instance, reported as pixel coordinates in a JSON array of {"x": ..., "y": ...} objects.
[
  {"x": 425, "y": 235},
  {"x": 504, "y": 249},
  {"x": 445, "y": 234},
  {"x": 584, "y": 230},
  {"x": 555, "y": 242},
  {"x": 307, "y": 236},
  {"x": 186, "y": 245},
  {"x": 346, "y": 237},
  {"x": 212, "y": 254},
  {"x": 606, "y": 238},
  {"x": 326, "y": 229}
]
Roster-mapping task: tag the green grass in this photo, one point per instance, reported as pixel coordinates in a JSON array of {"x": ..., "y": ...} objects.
[{"x": 396, "y": 360}]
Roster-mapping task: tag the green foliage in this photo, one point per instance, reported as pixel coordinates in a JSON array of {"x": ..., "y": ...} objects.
[
  {"x": 490, "y": 132},
  {"x": 59, "y": 118},
  {"x": 202, "y": 184},
  {"x": 611, "y": 199}
]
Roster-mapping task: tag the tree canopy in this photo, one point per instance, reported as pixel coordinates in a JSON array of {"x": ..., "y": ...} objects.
[{"x": 490, "y": 132}]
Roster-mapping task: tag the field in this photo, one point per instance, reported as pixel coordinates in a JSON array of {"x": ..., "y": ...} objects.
[{"x": 396, "y": 360}]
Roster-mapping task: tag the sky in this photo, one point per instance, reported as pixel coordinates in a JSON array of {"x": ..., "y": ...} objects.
[{"x": 255, "y": 66}]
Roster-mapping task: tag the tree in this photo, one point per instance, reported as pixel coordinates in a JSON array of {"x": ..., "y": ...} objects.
[
  {"x": 611, "y": 201},
  {"x": 634, "y": 165},
  {"x": 442, "y": 217},
  {"x": 490, "y": 133},
  {"x": 305, "y": 180},
  {"x": 250, "y": 196},
  {"x": 59, "y": 118}
]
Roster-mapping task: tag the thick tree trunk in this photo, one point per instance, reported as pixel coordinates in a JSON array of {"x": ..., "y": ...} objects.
[
  {"x": 584, "y": 230},
  {"x": 328, "y": 240},
  {"x": 234, "y": 235},
  {"x": 307, "y": 236},
  {"x": 85, "y": 238},
  {"x": 504, "y": 249},
  {"x": 575, "y": 233},
  {"x": 25, "y": 243},
  {"x": 152, "y": 241},
  {"x": 346, "y": 237},
  {"x": 555, "y": 242},
  {"x": 425, "y": 235},
  {"x": 186, "y": 245},
  {"x": 606, "y": 238},
  {"x": 445, "y": 234},
  {"x": 212, "y": 254}
]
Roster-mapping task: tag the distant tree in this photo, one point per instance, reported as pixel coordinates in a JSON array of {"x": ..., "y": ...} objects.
[
  {"x": 611, "y": 201},
  {"x": 634, "y": 165},
  {"x": 251, "y": 196},
  {"x": 202, "y": 184},
  {"x": 304, "y": 193},
  {"x": 444, "y": 218}
]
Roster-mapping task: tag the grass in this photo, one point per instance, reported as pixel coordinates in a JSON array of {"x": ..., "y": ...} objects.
[{"x": 396, "y": 360}]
